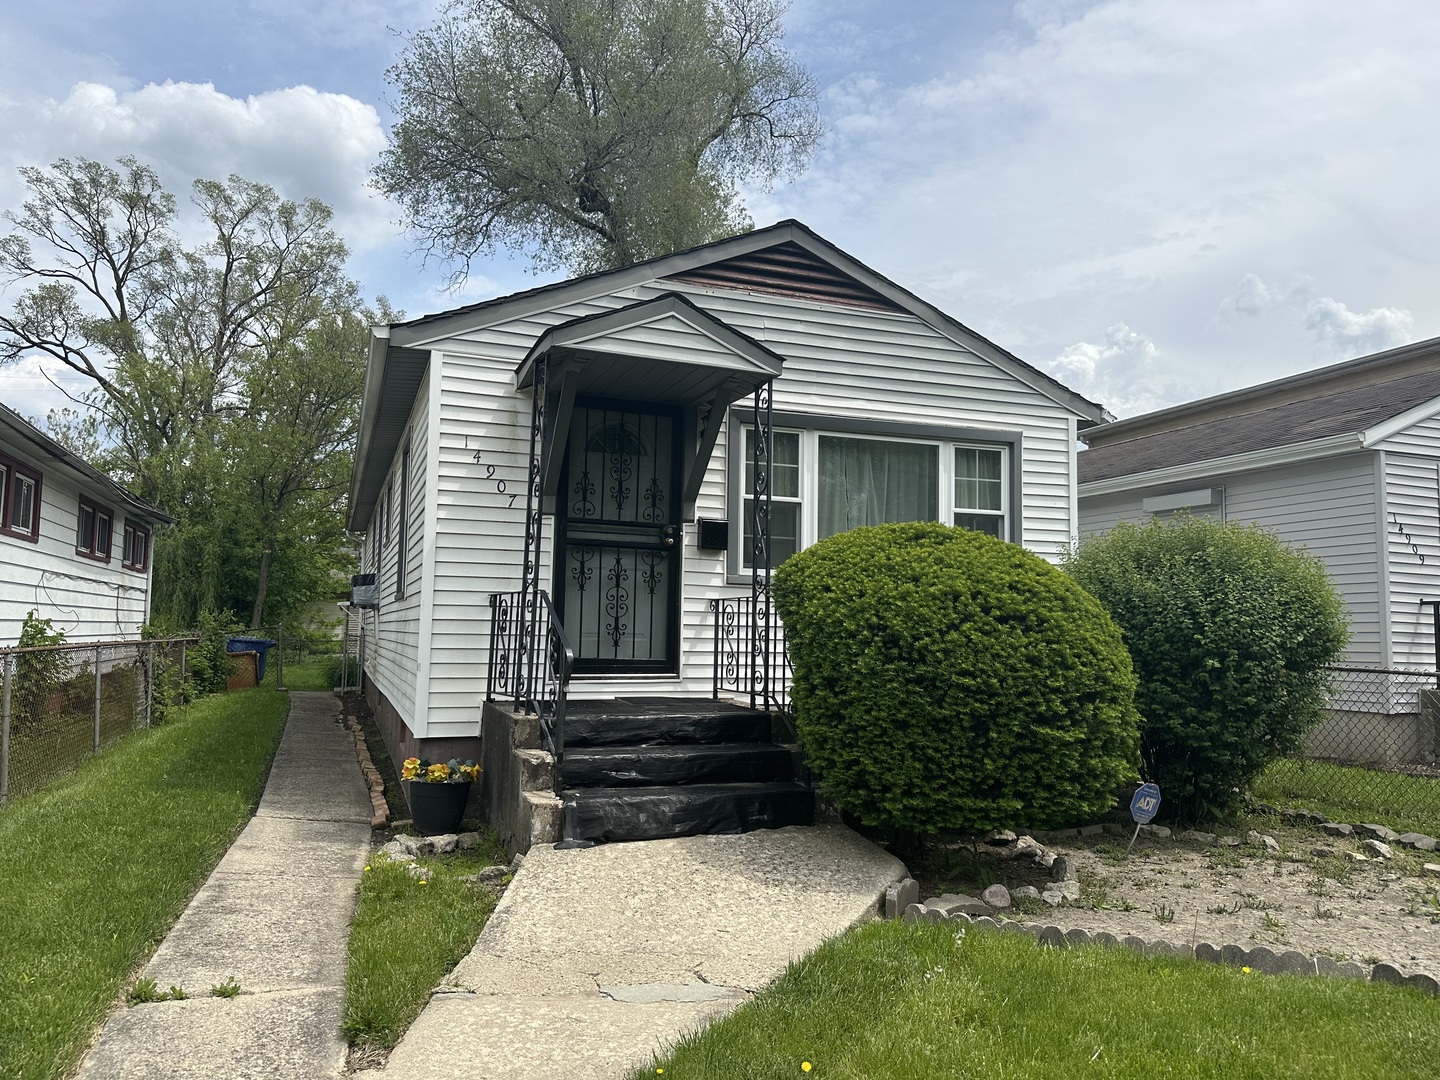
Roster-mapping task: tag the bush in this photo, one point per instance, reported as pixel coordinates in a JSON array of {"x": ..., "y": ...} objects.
[
  {"x": 210, "y": 664},
  {"x": 945, "y": 679},
  {"x": 39, "y": 674},
  {"x": 1230, "y": 632}
]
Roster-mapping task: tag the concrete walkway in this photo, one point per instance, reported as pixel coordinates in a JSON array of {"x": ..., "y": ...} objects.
[
  {"x": 595, "y": 959},
  {"x": 274, "y": 916}
]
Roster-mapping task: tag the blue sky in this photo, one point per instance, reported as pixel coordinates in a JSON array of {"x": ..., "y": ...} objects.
[{"x": 1153, "y": 201}]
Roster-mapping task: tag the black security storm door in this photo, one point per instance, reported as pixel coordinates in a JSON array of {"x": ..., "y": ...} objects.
[{"x": 618, "y": 548}]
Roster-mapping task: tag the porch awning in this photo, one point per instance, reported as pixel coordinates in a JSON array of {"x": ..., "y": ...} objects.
[{"x": 664, "y": 350}]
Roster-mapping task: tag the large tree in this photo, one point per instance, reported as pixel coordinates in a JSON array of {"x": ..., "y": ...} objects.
[
  {"x": 593, "y": 133},
  {"x": 224, "y": 377}
]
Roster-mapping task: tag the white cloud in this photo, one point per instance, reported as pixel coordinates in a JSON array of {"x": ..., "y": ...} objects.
[
  {"x": 304, "y": 142},
  {"x": 1251, "y": 297},
  {"x": 1354, "y": 333},
  {"x": 1124, "y": 370}
]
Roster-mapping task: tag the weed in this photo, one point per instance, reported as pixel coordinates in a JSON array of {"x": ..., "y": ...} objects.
[
  {"x": 1322, "y": 912},
  {"x": 227, "y": 989},
  {"x": 1256, "y": 903},
  {"x": 1163, "y": 913},
  {"x": 177, "y": 994},
  {"x": 1225, "y": 909},
  {"x": 143, "y": 992},
  {"x": 1273, "y": 921}
]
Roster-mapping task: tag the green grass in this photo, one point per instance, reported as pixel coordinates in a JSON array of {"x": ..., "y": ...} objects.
[
  {"x": 406, "y": 936},
  {"x": 96, "y": 868},
  {"x": 305, "y": 675},
  {"x": 1353, "y": 793},
  {"x": 913, "y": 1002}
]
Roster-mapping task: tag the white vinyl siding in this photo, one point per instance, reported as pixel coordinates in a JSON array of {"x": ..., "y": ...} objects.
[
  {"x": 88, "y": 599},
  {"x": 1412, "y": 531},
  {"x": 839, "y": 362},
  {"x": 1327, "y": 506}
]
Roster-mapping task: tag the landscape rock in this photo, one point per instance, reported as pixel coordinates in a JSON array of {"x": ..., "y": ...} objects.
[
  {"x": 1026, "y": 846},
  {"x": 1233, "y": 955},
  {"x": 1262, "y": 959},
  {"x": 398, "y": 856},
  {"x": 1379, "y": 832},
  {"x": 1076, "y": 936},
  {"x": 1417, "y": 841},
  {"x": 467, "y": 840},
  {"x": 517, "y": 862},
  {"x": 997, "y": 897},
  {"x": 1069, "y": 889},
  {"x": 1052, "y": 936},
  {"x": 1322, "y": 852},
  {"x": 1381, "y": 850},
  {"x": 950, "y": 903},
  {"x": 1000, "y": 837},
  {"x": 1355, "y": 856},
  {"x": 394, "y": 847},
  {"x": 1337, "y": 828},
  {"x": 986, "y": 922},
  {"x": 1258, "y": 839},
  {"x": 490, "y": 875},
  {"x": 1387, "y": 973},
  {"x": 1091, "y": 830},
  {"x": 1061, "y": 870},
  {"x": 1195, "y": 837},
  {"x": 1159, "y": 832},
  {"x": 444, "y": 844},
  {"x": 1228, "y": 841},
  {"x": 913, "y": 913},
  {"x": 1025, "y": 892},
  {"x": 1207, "y": 952},
  {"x": 900, "y": 895},
  {"x": 1133, "y": 943},
  {"x": 413, "y": 845},
  {"x": 1432, "y": 868},
  {"x": 1294, "y": 962},
  {"x": 1104, "y": 937},
  {"x": 1052, "y": 898},
  {"x": 1427, "y": 984}
]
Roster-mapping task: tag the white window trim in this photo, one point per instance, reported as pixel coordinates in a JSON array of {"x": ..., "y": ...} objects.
[{"x": 810, "y": 427}]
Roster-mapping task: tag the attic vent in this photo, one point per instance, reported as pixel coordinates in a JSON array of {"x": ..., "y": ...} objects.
[{"x": 787, "y": 270}]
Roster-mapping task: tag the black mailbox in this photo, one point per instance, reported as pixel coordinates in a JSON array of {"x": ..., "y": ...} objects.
[{"x": 713, "y": 534}]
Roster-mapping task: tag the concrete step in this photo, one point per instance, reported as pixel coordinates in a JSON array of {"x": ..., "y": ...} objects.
[
  {"x": 662, "y": 723},
  {"x": 649, "y": 766},
  {"x": 652, "y": 813}
]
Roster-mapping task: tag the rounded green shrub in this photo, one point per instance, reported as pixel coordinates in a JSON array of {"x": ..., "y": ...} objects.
[
  {"x": 1230, "y": 632},
  {"x": 945, "y": 679}
]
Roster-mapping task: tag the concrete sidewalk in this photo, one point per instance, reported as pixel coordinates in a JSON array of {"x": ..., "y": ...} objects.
[
  {"x": 274, "y": 916},
  {"x": 594, "y": 959}
]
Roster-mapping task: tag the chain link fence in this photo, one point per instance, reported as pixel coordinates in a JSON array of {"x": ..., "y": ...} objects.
[
  {"x": 1376, "y": 754},
  {"x": 60, "y": 704}
]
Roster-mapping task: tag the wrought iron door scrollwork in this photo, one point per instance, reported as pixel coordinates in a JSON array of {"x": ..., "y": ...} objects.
[{"x": 617, "y": 601}]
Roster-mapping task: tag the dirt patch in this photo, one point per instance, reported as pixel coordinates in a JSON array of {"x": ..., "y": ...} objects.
[{"x": 1312, "y": 896}]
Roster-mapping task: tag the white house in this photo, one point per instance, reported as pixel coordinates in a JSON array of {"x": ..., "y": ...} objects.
[
  {"x": 75, "y": 546},
  {"x": 623, "y": 499},
  {"x": 1343, "y": 460}
]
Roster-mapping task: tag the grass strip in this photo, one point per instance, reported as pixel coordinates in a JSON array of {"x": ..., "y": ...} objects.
[
  {"x": 1353, "y": 793},
  {"x": 96, "y": 868},
  {"x": 304, "y": 675},
  {"x": 406, "y": 936},
  {"x": 912, "y": 1002}
]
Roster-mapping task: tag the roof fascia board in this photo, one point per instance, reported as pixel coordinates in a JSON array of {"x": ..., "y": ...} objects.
[
  {"x": 369, "y": 406},
  {"x": 1356, "y": 371},
  {"x": 953, "y": 329},
  {"x": 1396, "y": 424},
  {"x": 1270, "y": 457},
  {"x": 645, "y": 273},
  {"x": 80, "y": 469},
  {"x": 589, "y": 288}
]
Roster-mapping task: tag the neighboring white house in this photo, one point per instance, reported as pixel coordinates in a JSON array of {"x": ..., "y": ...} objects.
[
  {"x": 884, "y": 409},
  {"x": 75, "y": 546},
  {"x": 1344, "y": 460}
]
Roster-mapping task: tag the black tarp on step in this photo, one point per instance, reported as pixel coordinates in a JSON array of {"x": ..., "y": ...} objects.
[
  {"x": 654, "y": 813},
  {"x": 629, "y": 766}
]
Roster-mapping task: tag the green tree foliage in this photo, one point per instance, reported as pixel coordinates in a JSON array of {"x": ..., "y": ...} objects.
[
  {"x": 945, "y": 679},
  {"x": 1230, "y": 632},
  {"x": 37, "y": 675},
  {"x": 225, "y": 377},
  {"x": 593, "y": 133}
]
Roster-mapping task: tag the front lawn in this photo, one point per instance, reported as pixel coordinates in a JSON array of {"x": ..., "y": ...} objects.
[
  {"x": 925, "y": 1002},
  {"x": 96, "y": 868}
]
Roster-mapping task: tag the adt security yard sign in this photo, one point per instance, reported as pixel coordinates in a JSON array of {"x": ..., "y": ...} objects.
[
  {"x": 1143, "y": 806},
  {"x": 1145, "y": 803}
]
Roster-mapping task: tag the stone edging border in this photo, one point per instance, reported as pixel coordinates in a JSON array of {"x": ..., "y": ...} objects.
[
  {"x": 1260, "y": 958},
  {"x": 380, "y": 819}
]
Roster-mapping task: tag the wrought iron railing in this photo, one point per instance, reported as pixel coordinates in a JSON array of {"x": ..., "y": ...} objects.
[
  {"x": 530, "y": 662},
  {"x": 750, "y": 659}
]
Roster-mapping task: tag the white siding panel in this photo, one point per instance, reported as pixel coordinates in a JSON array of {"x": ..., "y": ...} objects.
[
  {"x": 1412, "y": 531},
  {"x": 88, "y": 599},
  {"x": 1422, "y": 439},
  {"x": 1326, "y": 507},
  {"x": 840, "y": 361}
]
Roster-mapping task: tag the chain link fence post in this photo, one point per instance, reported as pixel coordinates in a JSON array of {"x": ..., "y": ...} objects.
[
  {"x": 280, "y": 656},
  {"x": 149, "y": 680},
  {"x": 6, "y": 666},
  {"x": 96, "y": 745}
]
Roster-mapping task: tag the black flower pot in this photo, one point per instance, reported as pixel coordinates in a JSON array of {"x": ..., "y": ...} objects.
[{"x": 438, "y": 808}]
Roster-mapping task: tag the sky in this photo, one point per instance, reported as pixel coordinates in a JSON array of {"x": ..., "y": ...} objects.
[{"x": 1152, "y": 201}]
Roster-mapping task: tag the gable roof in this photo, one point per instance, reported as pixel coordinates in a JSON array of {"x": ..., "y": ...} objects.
[
  {"x": 42, "y": 445},
  {"x": 786, "y": 258},
  {"x": 1315, "y": 410}
]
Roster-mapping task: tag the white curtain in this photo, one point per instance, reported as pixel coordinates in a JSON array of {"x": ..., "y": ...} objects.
[{"x": 871, "y": 482}]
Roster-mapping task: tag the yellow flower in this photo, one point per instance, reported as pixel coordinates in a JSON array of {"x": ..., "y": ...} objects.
[
  {"x": 805, "y": 1066},
  {"x": 423, "y": 881},
  {"x": 367, "y": 869},
  {"x": 437, "y": 773},
  {"x": 1246, "y": 970},
  {"x": 410, "y": 769}
]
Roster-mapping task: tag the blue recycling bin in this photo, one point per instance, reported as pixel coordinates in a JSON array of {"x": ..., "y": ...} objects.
[{"x": 260, "y": 645}]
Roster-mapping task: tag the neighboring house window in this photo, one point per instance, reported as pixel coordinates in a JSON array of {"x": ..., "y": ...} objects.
[
  {"x": 92, "y": 534},
  {"x": 19, "y": 501},
  {"x": 980, "y": 489},
  {"x": 826, "y": 482},
  {"x": 402, "y": 527},
  {"x": 136, "y": 551}
]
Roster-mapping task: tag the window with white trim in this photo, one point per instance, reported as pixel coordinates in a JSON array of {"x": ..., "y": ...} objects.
[
  {"x": 19, "y": 501},
  {"x": 829, "y": 481}
]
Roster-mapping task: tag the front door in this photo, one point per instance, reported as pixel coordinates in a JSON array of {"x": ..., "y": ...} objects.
[{"x": 618, "y": 545}]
